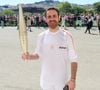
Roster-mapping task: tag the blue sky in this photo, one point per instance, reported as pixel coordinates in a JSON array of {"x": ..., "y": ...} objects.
[{"x": 15, "y": 2}]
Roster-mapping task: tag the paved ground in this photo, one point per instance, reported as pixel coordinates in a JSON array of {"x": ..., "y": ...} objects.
[{"x": 16, "y": 74}]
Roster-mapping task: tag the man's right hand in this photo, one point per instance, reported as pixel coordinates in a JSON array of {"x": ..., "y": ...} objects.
[{"x": 26, "y": 56}]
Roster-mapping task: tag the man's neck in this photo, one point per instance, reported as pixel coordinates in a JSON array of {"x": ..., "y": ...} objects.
[{"x": 54, "y": 30}]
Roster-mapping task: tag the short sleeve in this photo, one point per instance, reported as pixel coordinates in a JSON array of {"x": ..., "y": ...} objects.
[{"x": 72, "y": 55}]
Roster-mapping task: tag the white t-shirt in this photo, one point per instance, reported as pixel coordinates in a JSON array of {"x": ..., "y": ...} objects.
[{"x": 55, "y": 49}]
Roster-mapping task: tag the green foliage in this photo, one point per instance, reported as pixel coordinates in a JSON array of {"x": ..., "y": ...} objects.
[
  {"x": 64, "y": 7},
  {"x": 8, "y": 12},
  {"x": 90, "y": 11},
  {"x": 77, "y": 10},
  {"x": 97, "y": 7}
]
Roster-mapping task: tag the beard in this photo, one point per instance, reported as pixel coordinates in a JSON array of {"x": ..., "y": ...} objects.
[{"x": 52, "y": 24}]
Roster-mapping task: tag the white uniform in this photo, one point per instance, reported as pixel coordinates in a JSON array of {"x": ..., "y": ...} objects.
[{"x": 54, "y": 50}]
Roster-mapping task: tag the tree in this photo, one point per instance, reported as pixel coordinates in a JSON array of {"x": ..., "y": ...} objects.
[
  {"x": 97, "y": 7},
  {"x": 8, "y": 12},
  {"x": 64, "y": 7},
  {"x": 77, "y": 10},
  {"x": 90, "y": 11}
]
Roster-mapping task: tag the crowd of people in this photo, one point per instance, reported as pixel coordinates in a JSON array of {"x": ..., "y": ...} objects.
[{"x": 69, "y": 20}]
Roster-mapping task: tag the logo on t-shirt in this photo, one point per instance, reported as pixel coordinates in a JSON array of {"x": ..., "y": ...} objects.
[{"x": 62, "y": 47}]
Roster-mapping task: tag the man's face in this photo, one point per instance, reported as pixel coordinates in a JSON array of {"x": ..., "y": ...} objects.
[{"x": 52, "y": 18}]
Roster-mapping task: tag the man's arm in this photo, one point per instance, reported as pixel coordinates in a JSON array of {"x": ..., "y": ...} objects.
[
  {"x": 73, "y": 70},
  {"x": 27, "y": 56},
  {"x": 72, "y": 82},
  {"x": 72, "y": 55}
]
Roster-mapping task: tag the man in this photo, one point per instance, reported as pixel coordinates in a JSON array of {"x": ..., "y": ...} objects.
[
  {"x": 2, "y": 20},
  {"x": 63, "y": 21},
  {"x": 54, "y": 48},
  {"x": 29, "y": 24},
  {"x": 98, "y": 22},
  {"x": 89, "y": 24}
]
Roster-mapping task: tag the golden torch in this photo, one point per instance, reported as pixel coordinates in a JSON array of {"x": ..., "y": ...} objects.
[{"x": 22, "y": 31}]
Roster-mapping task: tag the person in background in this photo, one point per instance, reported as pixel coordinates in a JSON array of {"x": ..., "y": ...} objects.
[
  {"x": 89, "y": 24},
  {"x": 98, "y": 22},
  {"x": 29, "y": 24}
]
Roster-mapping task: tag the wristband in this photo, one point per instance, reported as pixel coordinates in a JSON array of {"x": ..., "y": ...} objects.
[{"x": 72, "y": 79}]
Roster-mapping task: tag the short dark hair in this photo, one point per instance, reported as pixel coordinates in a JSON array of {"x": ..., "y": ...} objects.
[{"x": 52, "y": 8}]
